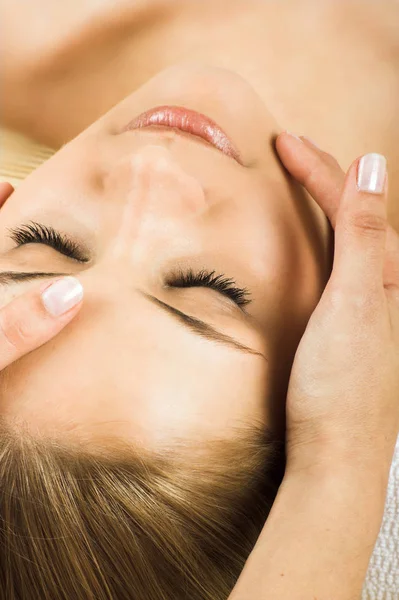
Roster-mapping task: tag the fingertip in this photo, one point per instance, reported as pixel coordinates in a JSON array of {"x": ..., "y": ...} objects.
[
  {"x": 289, "y": 148},
  {"x": 6, "y": 185},
  {"x": 372, "y": 174},
  {"x": 6, "y": 189},
  {"x": 289, "y": 137},
  {"x": 63, "y": 297},
  {"x": 309, "y": 142}
]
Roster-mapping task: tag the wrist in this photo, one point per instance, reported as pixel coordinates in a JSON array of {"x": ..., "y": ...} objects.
[
  {"x": 354, "y": 483},
  {"x": 341, "y": 460},
  {"x": 317, "y": 539}
]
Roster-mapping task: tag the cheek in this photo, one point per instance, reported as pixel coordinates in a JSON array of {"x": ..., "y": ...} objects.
[{"x": 284, "y": 267}]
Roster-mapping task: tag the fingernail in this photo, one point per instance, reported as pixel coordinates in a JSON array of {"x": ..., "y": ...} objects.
[
  {"x": 293, "y": 135},
  {"x": 371, "y": 173},
  {"x": 62, "y": 295},
  {"x": 311, "y": 142}
]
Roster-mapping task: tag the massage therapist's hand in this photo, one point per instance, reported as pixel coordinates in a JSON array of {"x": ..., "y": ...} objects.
[
  {"x": 343, "y": 394},
  {"x": 35, "y": 317},
  {"x": 342, "y": 404}
]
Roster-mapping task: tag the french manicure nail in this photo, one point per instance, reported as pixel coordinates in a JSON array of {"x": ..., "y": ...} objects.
[
  {"x": 371, "y": 173},
  {"x": 293, "y": 135},
  {"x": 305, "y": 137},
  {"x": 62, "y": 295}
]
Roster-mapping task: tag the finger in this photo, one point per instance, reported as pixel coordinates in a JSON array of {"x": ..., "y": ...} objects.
[
  {"x": 318, "y": 171},
  {"x": 324, "y": 179},
  {"x": 361, "y": 226},
  {"x": 6, "y": 189},
  {"x": 391, "y": 266},
  {"x": 37, "y": 316}
]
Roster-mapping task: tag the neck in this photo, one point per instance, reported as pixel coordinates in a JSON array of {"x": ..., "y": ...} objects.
[
  {"x": 101, "y": 65},
  {"x": 239, "y": 35}
]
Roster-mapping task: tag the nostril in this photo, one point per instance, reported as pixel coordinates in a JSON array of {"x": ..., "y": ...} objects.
[{"x": 152, "y": 179}]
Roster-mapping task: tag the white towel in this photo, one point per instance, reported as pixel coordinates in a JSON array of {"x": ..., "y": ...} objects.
[
  {"x": 382, "y": 581},
  {"x": 19, "y": 156}
]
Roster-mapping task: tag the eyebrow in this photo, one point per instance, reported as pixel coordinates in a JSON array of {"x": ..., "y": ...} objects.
[
  {"x": 201, "y": 327},
  {"x": 195, "y": 325},
  {"x": 17, "y": 276}
]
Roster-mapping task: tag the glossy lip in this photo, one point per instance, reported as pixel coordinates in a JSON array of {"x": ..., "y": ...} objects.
[{"x": 188, "y": 121}]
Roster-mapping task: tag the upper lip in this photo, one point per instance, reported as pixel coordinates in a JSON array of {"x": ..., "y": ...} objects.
[{"x": 190, "y": 121}]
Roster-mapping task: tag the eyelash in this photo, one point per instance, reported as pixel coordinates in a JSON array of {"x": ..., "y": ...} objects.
[
  {"x": 204, "y": 278},
  {"x": 36, "y": 233}
]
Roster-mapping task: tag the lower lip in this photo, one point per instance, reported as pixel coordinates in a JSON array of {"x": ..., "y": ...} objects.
[{"x": 189, "y": 121}]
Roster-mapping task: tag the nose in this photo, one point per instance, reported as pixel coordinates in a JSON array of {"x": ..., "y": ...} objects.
[{"x": 155, "y": 193}]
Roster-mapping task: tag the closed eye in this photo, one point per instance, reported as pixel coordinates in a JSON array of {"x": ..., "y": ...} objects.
[
  {"x": 220, "y": 283},
  {"x": 36, "y": 233}
]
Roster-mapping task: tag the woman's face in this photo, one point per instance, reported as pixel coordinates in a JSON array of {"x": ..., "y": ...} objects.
[{"x": 146, "y": 358}]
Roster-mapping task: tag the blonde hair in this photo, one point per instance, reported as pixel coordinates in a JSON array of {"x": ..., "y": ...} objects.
[{"x": 127, "y": 523}]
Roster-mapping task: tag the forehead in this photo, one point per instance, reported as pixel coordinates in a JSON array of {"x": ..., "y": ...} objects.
[{"x": 140, "y": 377}]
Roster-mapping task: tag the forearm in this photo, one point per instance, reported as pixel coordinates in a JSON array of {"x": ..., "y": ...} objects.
[{"x": 317, "y": 541}]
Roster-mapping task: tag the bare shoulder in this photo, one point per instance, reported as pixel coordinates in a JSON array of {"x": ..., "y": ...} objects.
[
  {"x": 43, "y": 55},
  {"x": 31, "y": 41}
]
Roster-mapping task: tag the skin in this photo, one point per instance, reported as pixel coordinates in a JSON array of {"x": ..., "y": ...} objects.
[
  {"x": 318, "y": 544},
  {"x": 146, "y": 203},
  {"x": 333, "y": 77}
]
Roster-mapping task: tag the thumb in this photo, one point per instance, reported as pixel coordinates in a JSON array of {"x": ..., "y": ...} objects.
[
  {"x": 361, "y": 226},
  {"x": 35, "y": 317}
]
